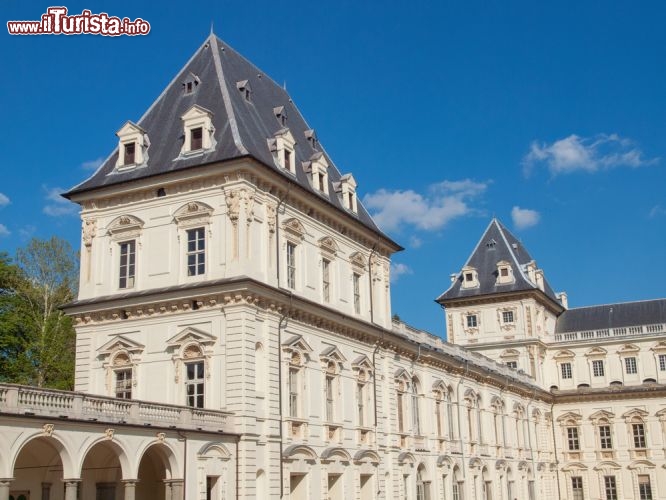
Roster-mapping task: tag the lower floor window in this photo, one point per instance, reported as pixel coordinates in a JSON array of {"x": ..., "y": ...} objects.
[
  {"x": 195, "y": 384},
  {"x": 644, "y": 487},
  {"x": 610, "y": 487},
  {"x": 577, "y": 488}
]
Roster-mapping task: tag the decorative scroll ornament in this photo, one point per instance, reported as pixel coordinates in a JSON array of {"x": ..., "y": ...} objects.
[{"x": 47, "y": 429}]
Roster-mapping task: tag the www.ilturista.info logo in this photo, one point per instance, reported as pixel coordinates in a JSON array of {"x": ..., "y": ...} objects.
[{"x": 56, "y": 22}]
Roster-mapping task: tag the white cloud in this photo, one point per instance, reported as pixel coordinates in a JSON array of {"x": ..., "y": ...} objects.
[
  {"x": 444, "y": 202},
  {"x": 524, "y": 217},
  {"x": 657, "y": 211},
  {"x": 26, "y": 232},
  {"x": 4, "y": 200},
  {"x": 415, "y": 242},
  {"x": 4, "y": 231},
  {"x": 398, "y": 270},
  {"x": 58, "y": 205},
  {"x": 92, "y": 164},
  {"x": 588, "y": 154}
]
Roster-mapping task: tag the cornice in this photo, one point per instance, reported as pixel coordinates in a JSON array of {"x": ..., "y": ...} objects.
[
  {"x": 492, "y": 298},
  {"x": 644, "y": 391}
]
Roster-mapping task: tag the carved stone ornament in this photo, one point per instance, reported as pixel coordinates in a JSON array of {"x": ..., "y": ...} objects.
[
  {"x": 233, "y": 204},
  {"x": 270, "y": 217},
  {"x": 161, "y": 436},
  {"x": 109, "y": 433},
  {"x": 47, "y": 429},
  {"x": 193, "y": 214},
  {"x": 89, "y": 231},
  {"x": 125, "y": 226}
]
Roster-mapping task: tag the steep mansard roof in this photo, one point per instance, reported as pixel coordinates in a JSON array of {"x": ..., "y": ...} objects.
[
  {"x": 242, "y": 127},
  {"x": 497, "y": 244},
  {"x": 648, "y": 312}
]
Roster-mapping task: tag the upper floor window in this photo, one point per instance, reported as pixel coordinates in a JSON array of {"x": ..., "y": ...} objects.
[
  {"x": 472, "y": 321},
  {"x": 133, "y": 146},
  {"x": 294, "y": 383},
  {"x": 507, "y": 317},
  {"x": 196, "y": 251},
  {"x": 194, "y": 384},
  {"x": 470, "y": 277},
  {"x": 123, "y": 383},
  {"x": 346, "y": 189},
  {"x": 416, "y": 415},
  {"x": 662, "y": 362},
  {"x": 630, "y": 366},
  {"x": 196, "y": 139},
  {"x": 360, "y": 403},
  {"x": 281, "y": 146},
  {"x": 573, "y": 443},
  {"x": 330, "y": 397},
  {"x": 356, "y": 283},
  {"x": 638, "y": 433},
  {"x": 512, "y": 364},
  {"x": 598, "y": 368},
  {"x": 127, "y": 265},
  {"x": 605, "y": 438},
  {"x": 128, "y": 157},
  {"x": 566, "y": 370},
  {"x": 326, "y": 279},
  {"x": 291, "y": 265},
  {"x": 504, "y": 273}
]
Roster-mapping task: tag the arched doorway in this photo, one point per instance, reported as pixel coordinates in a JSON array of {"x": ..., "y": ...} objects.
[
  {"x": 101, "y": 472},
  {"x": 154, "y": 473},
  {"x": 38, "y": 470}
]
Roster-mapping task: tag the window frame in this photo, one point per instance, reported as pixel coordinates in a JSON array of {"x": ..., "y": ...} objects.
[
  {"x": 630, "y": 365},
  {"x": 129, "y": 266},
  {"x": 326, "y": 279},
  {"x": 610, "y": 488},
  {"x": 566, "y": 371},
  {"x": 123, "y": 391},
  {"x": 508, "y": 317},
  {"x": 605, "y": 437},
  {"x": 639, "y": 436},
  {"x": 472, "y": 321},
  {"x": 291, "y": 264},
  {"x": 598, "y": 368},
  {"x": 196, "y": 382},
  {"x": 356, "y": 292},
  {"x": 195, "y": 269},
  {"x": 573, "y": 438}
]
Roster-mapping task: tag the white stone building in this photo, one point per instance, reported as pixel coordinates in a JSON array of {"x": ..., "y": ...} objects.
[{"x": 235, "y": 340}]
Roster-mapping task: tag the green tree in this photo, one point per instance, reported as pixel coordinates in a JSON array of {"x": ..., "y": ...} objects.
[{"x": 38, "y": 341}]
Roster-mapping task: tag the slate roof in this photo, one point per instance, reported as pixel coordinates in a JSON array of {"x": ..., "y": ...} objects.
[
  {"x": 242, "y": 128},
  {"x": 647, "y": 312},
  {"x": 497, "y": 244}
]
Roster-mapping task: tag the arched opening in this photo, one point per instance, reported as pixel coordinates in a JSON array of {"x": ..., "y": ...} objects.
[
  {"x": 487, "y": 486},
  {"x": 457, "y": 485},
  {"x": 154, "y": 471},
  {"x": 510, "y": 484},
  {"x": 38, "y": 470},
  {"x": 101, "y": 473},
  {"x": 422, "y": 485}
]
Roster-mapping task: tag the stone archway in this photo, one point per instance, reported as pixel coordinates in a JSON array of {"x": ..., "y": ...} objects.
[
  {"x": 102, "y": 471},
  {"x": 155, "y": 476},
  {"x": 38, "y": 470}
]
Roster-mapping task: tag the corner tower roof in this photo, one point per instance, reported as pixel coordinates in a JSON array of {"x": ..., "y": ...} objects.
[
  {"x": 216, "y": 78},
  {"x": 496, "y": 245}
]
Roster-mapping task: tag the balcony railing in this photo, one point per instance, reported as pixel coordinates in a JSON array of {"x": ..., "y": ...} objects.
[
  {"x": 625, "y": 331},
  {"x": 25, "y": 400}
]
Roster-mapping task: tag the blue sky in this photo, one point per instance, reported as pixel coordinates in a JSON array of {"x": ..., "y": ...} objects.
[{"x": 550, "y": 117}]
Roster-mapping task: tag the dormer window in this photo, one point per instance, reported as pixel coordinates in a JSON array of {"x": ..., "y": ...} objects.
[
  {"x": 504, "y": 273},
  {"x": 245, "y": 89},
  {"x": 190, "y": 85},
  {"x": 282, "y": 148},
  {"x": 317, "y": 167},
  {"x": 311, "y": 137},
  {"x": 198, "y": 130},
  {"x": 470, "y": 277},
  {"x": 347, "y": 192},
  {"x": 196, "y": 139},
  {"x": 133, "y": 146},
  {"x": 128, "y": 158},
  {"x": 281, "y": 115}
]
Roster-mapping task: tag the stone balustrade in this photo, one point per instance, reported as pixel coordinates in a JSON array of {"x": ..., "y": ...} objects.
[
  {"x": 26, "y": 400},
  {"x": 625, "y": 331}
]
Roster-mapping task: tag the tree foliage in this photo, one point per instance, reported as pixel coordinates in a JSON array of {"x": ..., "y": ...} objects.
[{"x": 37, "y": 340}]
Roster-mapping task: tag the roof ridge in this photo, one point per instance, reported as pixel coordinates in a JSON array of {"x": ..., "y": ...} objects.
[
  {"x": 226, "y": 98},
  {"x": 616, "y": 304}
]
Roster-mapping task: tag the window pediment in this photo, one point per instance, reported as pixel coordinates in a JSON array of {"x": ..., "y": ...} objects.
[
  {"x": 570, "y": 418},
  {"x": 635, "y": 413},
  {"x": 297, "y": 344},
  {"x": 190, "y": 335},
  {"x": 328, "y": 246},
  {"x": 509, "y": 353},
  {"x": 596, "y": 351},
  {"x": 125, "y": 227},
  {"x": 659, "y": 347},
  {"x": 120, "y": 343},
  {"x": 358, "y": 262},
  {"x": 564, "y": 354},
  {"x": 601, "y": 415},
  {"x": 294, "y": 228},
  {"x": 629, "y": 349},
  {"x": 193, "y": 213},
  {"x": 332, "y": 355}
]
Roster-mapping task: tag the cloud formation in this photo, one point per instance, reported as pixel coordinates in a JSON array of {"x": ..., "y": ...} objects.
[
  {"x": 443, "y": 202},
  {"x": 4, "y": 200},
  {"x": 398, "y": 270},
  {"x": 92, "y": 164},
  {"x": 58, "y": 206},
  {"x": 657, "y": 211},
  {"x": 4, "y": 231},
  {"x": 587, "y": 154},
  {"x": 524, "y": 217}
]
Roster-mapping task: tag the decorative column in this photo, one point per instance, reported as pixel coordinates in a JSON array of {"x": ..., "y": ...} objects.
[
  {"x": 4, "y": 488},
  {"x": 71, "y": 488},
  {"x": 130, "y": 488}
]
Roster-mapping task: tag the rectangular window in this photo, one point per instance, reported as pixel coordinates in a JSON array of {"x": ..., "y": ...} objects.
[
  {"x": 329, "y": 398},
  {"x": 638, "y": 432},
  {"x": 293, "y": 392},
  {"x": 321, "y": 182},
  {"x": 605, "y": 438},
  {"x": 598, "y": 368},
  {"x": 507, "y": 316},
  {"x": 610, "y": 487},
  {"x": 471, "y": 321},
  {"x": 572, "y": 439},
  {"x": 124, "y": 384},
  {"x": 326, "y": 279},
  {"x": 401, "y": 424},
  {"x": 577, "y": 488},
  {"x": 644, "y": 487},
  {"x": 128, "y": 158},
  {"x": 357, "y": 293},
  {"x": 456, "y": 491},
  {"x": 127, "y": 266},
  {"x": 566, "y": 370},
  {"x": 630, "y": 366},
  {"x": 287, "y": 159},
  {"x": 196, "y": 251},
  {"x": 662, "y": 362},
  {"x": 195, "y": 384},
  {"x": 291, "y": 265},
  {"x": 360, "y": 401},
  {"x": 196, "y": 138},
  {"x": 438, "y": 417},
  {"x": 504, "y": 272},
  {"x": 512, "y": 364}
]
